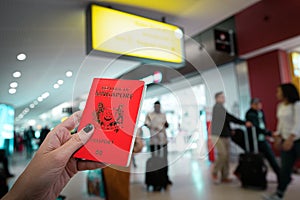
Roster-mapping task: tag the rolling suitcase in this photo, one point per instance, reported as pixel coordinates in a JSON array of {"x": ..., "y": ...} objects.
[
  {"x": 156, "y": 171},
  {"x": 252, "y": 169}
]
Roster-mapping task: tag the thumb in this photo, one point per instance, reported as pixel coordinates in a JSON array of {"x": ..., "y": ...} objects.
[{"x": 77, "y": 140}]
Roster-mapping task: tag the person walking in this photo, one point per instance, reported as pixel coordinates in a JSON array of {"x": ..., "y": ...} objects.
[
  {"x": 156, "y": 121},
  {"x": 44, "y": 133},
  {"x": 287, "y": 135},
  {"x": 221, "y": 134},
  {"x": 28, "y": 136},
  {"x": 256, "y": 116}
]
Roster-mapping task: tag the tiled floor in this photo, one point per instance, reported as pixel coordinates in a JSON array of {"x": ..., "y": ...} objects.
[{"x": 190, "y": 175}]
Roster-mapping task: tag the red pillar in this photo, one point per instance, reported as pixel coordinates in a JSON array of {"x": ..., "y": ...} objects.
[{"x": 266, "y": 72}]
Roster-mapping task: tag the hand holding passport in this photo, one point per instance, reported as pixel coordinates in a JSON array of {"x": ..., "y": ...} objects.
[{"x": 112, "y": 108}]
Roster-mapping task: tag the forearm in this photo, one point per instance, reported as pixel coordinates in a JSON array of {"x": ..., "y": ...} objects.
[
  {"x": 18, "y": 191},
  {"x": 233, "y": 119},
  {"x": 264, "y": 131},
  {"x": 32, "y": 182}
]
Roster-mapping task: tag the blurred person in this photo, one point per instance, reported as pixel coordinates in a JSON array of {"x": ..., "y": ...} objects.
[
  {"x": 156, "y": 121},
  {"x": 29, "y": 134},
  {"x": 221, "y": 134},
  {"x": 20, "y": 143},
  {"x": 257, "y": 117},
  {"x": 287, "y": 135},
  {"x": 15, "y": 141},
  {"x": 138, "y": 145},
  {"x": 43, "y": 134},
  {"x": 53, "y": 166},
  {"x": 4, "y": 170}
]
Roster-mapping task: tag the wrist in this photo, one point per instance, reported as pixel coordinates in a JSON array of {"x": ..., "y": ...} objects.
[{"x": 19, "y": 191}]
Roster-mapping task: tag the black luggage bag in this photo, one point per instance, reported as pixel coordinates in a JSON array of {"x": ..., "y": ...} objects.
[
  {"x": 252, "y": 168},
  {"x": 3, "y": 175},
  {"x": 156, "y": 172},
  {"x": 3, "y": 185},
  {"x": 239, "y": 138}
]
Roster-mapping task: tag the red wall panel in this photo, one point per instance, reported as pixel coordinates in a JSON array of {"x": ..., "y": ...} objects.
[
  {"x": 264, "y": 78},
  {"x": 265, "y": 23},
  {"x": 285, "y": 69}
]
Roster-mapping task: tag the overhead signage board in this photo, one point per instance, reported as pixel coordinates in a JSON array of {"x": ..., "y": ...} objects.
[{"x": 129, "y": 35}]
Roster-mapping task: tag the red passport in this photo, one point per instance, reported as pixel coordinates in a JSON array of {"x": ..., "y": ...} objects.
[{"x": 112, "y": 107}]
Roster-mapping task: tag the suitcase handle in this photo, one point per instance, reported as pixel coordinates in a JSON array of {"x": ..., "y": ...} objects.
[{"x": 254, "y": 137}]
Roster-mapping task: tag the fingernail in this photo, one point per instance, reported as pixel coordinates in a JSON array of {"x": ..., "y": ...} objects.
[{"x": 88, "y": 128}]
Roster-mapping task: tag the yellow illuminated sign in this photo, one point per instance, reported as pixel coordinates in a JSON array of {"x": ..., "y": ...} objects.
[
  {"x": 296, "y": 63},
  {"x": 122, "y": 33},
  {"x": 295, "y": 67}
]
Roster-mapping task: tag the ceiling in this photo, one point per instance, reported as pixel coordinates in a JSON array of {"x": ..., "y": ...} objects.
[{"x": 52, "y": 35}]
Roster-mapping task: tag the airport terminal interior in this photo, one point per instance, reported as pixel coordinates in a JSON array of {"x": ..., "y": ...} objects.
[{"x": 172, "y": 62}]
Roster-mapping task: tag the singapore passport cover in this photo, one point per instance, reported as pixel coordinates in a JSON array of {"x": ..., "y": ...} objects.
[{"x": 112, "y": 107}]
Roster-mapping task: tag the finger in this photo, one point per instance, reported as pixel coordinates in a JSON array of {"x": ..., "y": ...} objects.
[
  {"x": 76, "y": 141},
  {"x": 89, "y": 165},
  {"x": 72, "y": 121}
]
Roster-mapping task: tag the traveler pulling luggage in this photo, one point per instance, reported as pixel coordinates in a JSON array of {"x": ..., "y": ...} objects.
[
  {"x": 252, "y": 169},
  {"x": 156, "y": 171}
]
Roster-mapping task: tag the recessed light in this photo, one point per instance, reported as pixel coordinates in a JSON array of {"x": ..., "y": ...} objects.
[
  {"x": 69, "y": 74},
  {"x": 40, "y": 99},
  {"x": 56, "y": 86},
  {"x": 45, "y": 95},
  {"x": 35, "y": 102},
  {"x": 12, "y": 90},
  {"x": 31, "y": 105},
  {"x": 17, "y": 74},
  {"x": 60, "y": 82},
  {"x": 32, "y": 122},
  {"x": 13, "y": 84},
  {"x": 26, "y": 110},
  {"x": 21, "y": 56}
]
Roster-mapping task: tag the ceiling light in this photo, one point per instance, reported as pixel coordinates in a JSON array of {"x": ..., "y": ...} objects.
[
  {"x": 35, "y": 102},
  {"x": 45, "y": 95},
  {"x": 31, "y": 105},
  {"x": 43, "y": 116},
  {"x": 27, "y": 110},
  {"x": 21, "y": 56},
  {"x": 12, "y": 90},
  {"x": 69, "y": 74},
  {"x": 60, "y": 82},
  {"x": 56, "y": 86},
  {"x": 13, "y": 84},
  {"x": 17, "y": 74},
  {"x": 40, "y": 99},
  {"x": 32, "y": 122}
]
